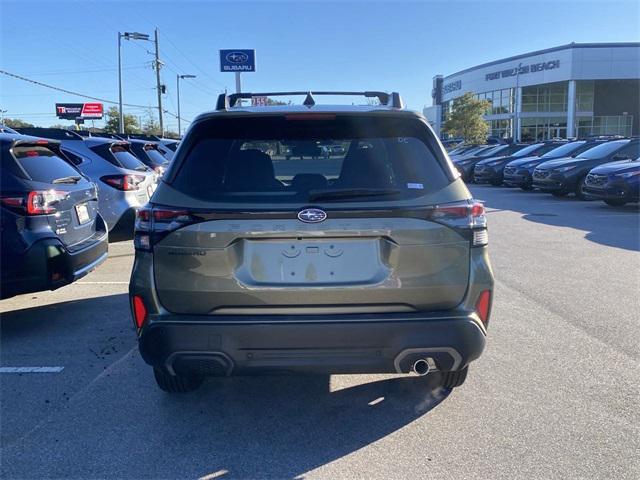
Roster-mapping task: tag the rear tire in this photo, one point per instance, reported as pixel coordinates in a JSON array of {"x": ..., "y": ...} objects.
[
  {"x": 559, "y": 194},
  {"x": 526, "y": 188},
  {"x": 615, "y": 203},
  {"x": 454, "y": 379},
  {"x": 176, "y": 383},
  {"x": 496, "y": 183}
]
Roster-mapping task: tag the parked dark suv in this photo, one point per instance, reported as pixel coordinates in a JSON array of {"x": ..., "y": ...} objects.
[
  {"x": 374, "y": 260},
  {"x": 51, "y": 231}
]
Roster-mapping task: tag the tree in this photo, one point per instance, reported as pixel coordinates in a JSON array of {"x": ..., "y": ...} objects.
[
  {"x": 16, "y": 123},
  {"x": 465, "y": 119},
  {"x": 151, "y": 125},
  {"x": 113, "y": 122}
]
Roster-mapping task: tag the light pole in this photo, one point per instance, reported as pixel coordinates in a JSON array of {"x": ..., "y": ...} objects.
[
  {"x": 178, "y": 77},
  {"x": 126, "y": 36}
]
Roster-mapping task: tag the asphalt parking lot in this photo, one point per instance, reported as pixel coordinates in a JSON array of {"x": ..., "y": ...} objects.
[{"x": 554, "y": 396}]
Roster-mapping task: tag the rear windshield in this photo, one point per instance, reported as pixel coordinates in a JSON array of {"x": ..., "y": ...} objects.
[
  {"x": 276, "y": 159},
  {"x": 564, "y": 150},
  {"x": 120, "y": 156},
  {"x": 155, "y": 156},
  {"x": 42, "y": 164},
  {"x": 603, "y": 150}
]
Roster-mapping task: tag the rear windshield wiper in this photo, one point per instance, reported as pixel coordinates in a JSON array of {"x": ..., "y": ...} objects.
[
  {"x": 350, "y": 193},
  {"x": 70, "y": 179}
]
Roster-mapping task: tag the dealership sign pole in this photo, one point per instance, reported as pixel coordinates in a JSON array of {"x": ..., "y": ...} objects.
[{"x": 238, "y": 61}]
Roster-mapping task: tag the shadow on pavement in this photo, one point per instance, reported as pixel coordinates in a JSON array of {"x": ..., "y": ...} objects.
[
  {"x": 64, "y": 318},
  {"x": 282, "y": 427},
  {"x": 611, "y": 226}
]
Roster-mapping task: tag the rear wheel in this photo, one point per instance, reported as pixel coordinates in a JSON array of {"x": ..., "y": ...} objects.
[
  {"x": 615, "y": 203},
  {"x": 526, "y": 188},
  {"x": 496, "y": 183},
  {"x": 560, "y": 194},
  {"x": 454, "y": 379},
  {"x": 176, "y": 383}
]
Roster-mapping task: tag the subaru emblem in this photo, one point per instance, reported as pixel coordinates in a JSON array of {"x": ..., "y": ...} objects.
[
  {"x": 312, "y": 215},
  {"x": 237, "y": 57}
]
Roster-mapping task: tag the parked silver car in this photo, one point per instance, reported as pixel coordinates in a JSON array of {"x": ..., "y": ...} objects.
[{"x": 124, "y": 183}]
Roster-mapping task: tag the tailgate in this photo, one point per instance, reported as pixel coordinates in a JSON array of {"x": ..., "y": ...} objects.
[{"x": 280, "y": 266}]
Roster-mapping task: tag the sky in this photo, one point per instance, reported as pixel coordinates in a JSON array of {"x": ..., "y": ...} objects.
[{"x": 361, "y": 45}]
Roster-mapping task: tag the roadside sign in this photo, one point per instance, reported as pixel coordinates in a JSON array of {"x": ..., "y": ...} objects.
[
  {"x": 237, "y": 61},
  {"x": 72, "y": 111},
  {"x": 92, "y": 110}
]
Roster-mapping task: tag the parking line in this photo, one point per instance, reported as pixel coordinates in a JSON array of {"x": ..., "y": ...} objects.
[
  {"x": 31, "y": 369},
  {"x": 102, "y": 283}
]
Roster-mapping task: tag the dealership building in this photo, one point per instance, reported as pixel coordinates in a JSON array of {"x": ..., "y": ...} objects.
[{"x": 573, "y": 90}]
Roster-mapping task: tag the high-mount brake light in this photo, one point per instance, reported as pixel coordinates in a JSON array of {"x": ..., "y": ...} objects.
[{"x": 310, "y": 116}]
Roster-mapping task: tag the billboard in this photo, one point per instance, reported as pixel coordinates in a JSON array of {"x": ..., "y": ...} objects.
[
  {"x": 72, "y": 111},
  {"x": 237, "y": 61}
]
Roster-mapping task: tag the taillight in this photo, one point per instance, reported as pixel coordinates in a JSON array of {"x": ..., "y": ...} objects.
[
  {"x": 152, "y": 224},
  {"x": 139, "y": 311},
  {"x": 467, "y": 216},
  {"x": 39, "y": 202},
  {"x": 483, "y": 306},
  {"x": 124, "y": 182}
]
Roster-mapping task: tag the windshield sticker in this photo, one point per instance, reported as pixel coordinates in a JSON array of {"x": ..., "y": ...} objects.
[{"x": 418, "y": 186}]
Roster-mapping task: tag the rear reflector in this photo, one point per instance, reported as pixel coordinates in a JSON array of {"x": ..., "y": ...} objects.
[
  {"x": 483, "y": 306},
  {"x": 139, "y": 311}
]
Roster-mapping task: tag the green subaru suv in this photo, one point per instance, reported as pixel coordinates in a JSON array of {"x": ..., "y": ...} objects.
[{"x": 258, "y": 253}]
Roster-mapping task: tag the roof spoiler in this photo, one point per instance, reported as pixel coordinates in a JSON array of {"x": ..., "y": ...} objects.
[
  {"x": 52, "y": 133},
  {"x": 393, "y": 99}
]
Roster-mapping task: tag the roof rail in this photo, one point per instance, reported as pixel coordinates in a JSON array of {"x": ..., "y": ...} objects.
[
  {"x": 53, "y": 133},
  {"x": 389, "y": 99}
]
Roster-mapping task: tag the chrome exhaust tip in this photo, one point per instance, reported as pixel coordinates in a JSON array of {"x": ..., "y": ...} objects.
[{"x": 421, "y": 367}]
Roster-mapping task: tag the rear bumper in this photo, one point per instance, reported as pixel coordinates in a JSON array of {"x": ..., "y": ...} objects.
[
  {"x": 123, "y": 229},
  {"x": 382, "y": 343},
  {"x": 48, "y": 264}
]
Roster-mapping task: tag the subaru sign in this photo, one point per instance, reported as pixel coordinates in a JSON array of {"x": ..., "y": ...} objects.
[{"x": 237, "y": 61}]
